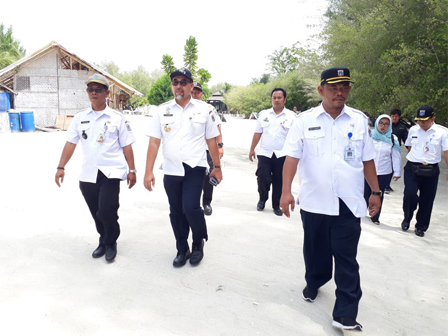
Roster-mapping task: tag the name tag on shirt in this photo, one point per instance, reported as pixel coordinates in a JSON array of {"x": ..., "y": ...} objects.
[
  {"x": 85, "y": 122},
  {"x": 314, "y": 128},
  {"x": 349, "y": 153}
]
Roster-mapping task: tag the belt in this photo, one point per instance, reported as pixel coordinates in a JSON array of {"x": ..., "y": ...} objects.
[{"x": 425, "y": 164}]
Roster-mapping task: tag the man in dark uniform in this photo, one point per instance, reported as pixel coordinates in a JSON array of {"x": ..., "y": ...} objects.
[
  {"x": 426, "y": 142},
  {"x": 186, "y": 127},
  {"x": 207, "y": 187},
  {"x": 401, "y": 131},
  {"x": 398, "y": 128}
]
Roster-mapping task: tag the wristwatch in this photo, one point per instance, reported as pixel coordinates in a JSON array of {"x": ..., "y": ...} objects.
[
  {"x": 220, "y": 144},
  {"x": 377, "y": 193},
  {"x": 133, "y": 171}
]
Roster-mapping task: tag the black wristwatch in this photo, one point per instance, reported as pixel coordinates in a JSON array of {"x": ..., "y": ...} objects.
[
  {"x": 220, "y": 144},
  {"x": 377, "y": 193}
]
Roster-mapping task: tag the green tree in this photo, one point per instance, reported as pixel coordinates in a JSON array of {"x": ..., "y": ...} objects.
[
  {"x": 257, "y": 96},
  {"x": 263, "y": 79},
  {"x": 190, "y": 62},
  {"x": 224, "y": 87},
  {"x": 191, "y": 55},
  {"x": 160, "y": 91},
  {"x": 396, "y": 50},
  {"x": 283, "y": 61},
  {"x": 10, "y": 48},
  {"x": 139, "y": 79},
  {"x": 246, "y": 100},
  {"x": 168, "y": 64},
  {"x": 111, "y": 68}
]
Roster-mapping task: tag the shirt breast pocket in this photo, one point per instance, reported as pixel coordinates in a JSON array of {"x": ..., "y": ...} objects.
[
  {"x": 414, "y": 141},
  {"x": 83, "y": 129},
  {"x": 357, "y": 141},
  {"x": 198, "y": 123},
  {"x": 265, "y": 124},
  {"x": 315, "y": 141},
  {"x": 111, "y": 133},
  {"x": 167, "y": 126}
]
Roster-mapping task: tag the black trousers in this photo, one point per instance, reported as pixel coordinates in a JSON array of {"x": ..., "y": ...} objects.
[
  {"x": 184, "y": 194},
  {"x": 383, "y": 182},
  {"x": 270, "y": 171},
  {"x": 102, "y": 198},
  {"x": 327, "y": 237},
  {"x": 207, "y": 188},
  {"x": 428, "y": 189}
]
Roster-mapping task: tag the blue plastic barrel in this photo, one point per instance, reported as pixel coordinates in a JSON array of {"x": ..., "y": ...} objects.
[
  {"x": 5, "y": 104},
  {"x": 14, "y": 121},
  {"x": 27, "y": 121}
]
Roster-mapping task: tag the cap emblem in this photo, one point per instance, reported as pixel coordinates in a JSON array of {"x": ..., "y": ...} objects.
[
  {"x": 421, "y": 113},
  {"x": 340, "y": 72}
]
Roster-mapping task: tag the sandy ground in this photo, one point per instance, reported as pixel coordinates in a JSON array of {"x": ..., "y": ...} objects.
[{"x": 249, "y": 282}]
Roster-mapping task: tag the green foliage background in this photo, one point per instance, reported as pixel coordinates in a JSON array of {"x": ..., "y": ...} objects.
[
  {"x": 396, "y": 50},
  {"x": 10, "y": 48},
  {"x": 160, "y": 91}
]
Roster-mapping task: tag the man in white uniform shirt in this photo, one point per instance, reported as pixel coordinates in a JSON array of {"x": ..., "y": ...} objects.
[
  {"x": 186, "y": 127},
  {"x": 106, "y": 139},
  {"x": 333, "y": 148},
  {"x": 272, "y": 127},
  {"x": 426, "y": 142}
]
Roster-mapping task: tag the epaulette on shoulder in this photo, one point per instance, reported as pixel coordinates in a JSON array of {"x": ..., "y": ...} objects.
[
  {"x": 165, "y": 103},
  {"x": 301, "y": 114},
  {"x": 443, "y": 127},
  {"x": 117, "y": 112},
  {"x": 360, "y": 112}
]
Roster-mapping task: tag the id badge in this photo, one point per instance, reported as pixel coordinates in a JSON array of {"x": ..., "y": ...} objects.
[
  {"x": 100, "y": 138},
  {"x": 349, "y": 153}
]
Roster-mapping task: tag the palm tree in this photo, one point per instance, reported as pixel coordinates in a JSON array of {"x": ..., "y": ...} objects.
[{"x": 10, "y": 48}]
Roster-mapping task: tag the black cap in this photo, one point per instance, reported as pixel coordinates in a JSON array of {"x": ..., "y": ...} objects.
[
  {"x": 335, "y": 75},
  {"x": 424, "y": 113},
  {"x": 182, "y": 72},
  {"x": 197, "y": 85}
]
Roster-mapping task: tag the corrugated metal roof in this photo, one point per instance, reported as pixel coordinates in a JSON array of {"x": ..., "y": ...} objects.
[{"x": 53, "y": 45}]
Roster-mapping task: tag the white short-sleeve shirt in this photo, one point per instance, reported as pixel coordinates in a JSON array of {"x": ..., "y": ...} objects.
[
  {"x": 274, "y": 128},
  {"x": 387, "y": 158},
  {"x": 183, "y": 133},
  {"x": 106, "y": 133},
  {"x": 320, "y": 142},
  {"x": 427, "y": 147}
]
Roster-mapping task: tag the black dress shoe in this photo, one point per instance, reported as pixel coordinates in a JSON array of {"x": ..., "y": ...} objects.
[
  {"x": 419, "y": 233},
  {"x": 278, "y": 212},
  {"x": 197, "y": 254},
  {"x": 208, "y": 210},
  {"x": 404, "y": 225},
  {"x": 111, "y": 252},
  {"x": 260, "y": 205},
  {"x": 181, "y": 258},
  {"x": 99, "y": 252}
]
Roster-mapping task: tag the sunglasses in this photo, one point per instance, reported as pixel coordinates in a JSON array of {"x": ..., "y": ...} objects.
[
  {"x": 183, "y": 82},
  {"x": 97, "y": 90}
]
